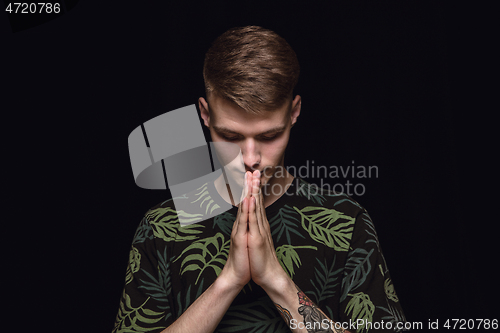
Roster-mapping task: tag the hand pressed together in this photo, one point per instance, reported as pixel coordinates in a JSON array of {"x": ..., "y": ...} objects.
[{"x": 251, "y": 253}]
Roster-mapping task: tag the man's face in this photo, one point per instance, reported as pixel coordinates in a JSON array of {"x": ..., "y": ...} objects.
[{"x": 262, "y": 138}]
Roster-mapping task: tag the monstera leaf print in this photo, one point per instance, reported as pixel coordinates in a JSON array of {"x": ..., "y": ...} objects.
[
  {"x": 323, "y": 226},
  {"x": 208, "y": 253},
  {"x": 165, "y": 225},
  {"x": 136, "y": 319}
]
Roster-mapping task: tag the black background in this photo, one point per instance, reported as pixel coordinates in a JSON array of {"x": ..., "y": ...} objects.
[{"x": 400, "y": 85}]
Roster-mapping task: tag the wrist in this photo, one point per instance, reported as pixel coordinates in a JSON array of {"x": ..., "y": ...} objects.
[
  {"x": 226, "y": 284},
  {"x": 279, "y": 286}
]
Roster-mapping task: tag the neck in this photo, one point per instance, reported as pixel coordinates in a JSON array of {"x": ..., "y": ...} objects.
[{"x": 276, "y": 186}]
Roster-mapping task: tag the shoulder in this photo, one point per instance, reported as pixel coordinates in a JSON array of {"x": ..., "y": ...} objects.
[
  {"x": 196, "y": 206},
  {"x": 190, "y": 216},
  {"x": 311, "y": 195},
  {"x": 330, "y": 218},
  {"x": 170, "y": 224}
]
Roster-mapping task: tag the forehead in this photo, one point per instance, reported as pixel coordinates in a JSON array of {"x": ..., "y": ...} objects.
[{"x": 226, "y": 114}]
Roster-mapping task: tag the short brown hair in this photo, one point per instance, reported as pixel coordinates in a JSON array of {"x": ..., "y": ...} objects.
[{"x": 252, "y": 67}]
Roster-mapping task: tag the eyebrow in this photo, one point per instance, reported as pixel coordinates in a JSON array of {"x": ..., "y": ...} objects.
[{"x": 224, "y": 130}]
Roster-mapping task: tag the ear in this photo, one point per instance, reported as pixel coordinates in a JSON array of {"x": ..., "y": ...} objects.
[
  {"x": 295, "y": 111},
  {"x": 205, "y": 114}
]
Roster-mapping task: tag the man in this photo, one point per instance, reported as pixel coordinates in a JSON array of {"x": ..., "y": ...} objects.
[{"x": 286, "y": 258}]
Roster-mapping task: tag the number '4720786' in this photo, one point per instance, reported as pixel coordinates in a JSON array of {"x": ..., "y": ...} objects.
[
  {"x": 33, "y": 8},
  {"x": 464, "y": 324}
]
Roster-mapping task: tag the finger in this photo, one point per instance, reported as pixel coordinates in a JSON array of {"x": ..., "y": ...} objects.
[
  {"x": 244, "y": 193},
  {"x": 248, "y": 184},
  {"x": 243, "y": 219},
  {"x": 238, "y": 215},
  {"x": 262, "y": 210},
  {"x": 257, "y": 194},
  {"x": 253, "y": 224},
  {"x": 255, "y": 184}
]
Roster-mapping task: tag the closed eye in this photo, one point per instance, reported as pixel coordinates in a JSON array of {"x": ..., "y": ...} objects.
[
  {"x": 230, "y": 138},
  {"x": 269, "y": 138}
]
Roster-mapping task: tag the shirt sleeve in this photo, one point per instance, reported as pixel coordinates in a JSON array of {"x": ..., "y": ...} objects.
[
  {"x": 145, "y": 304},
  {"x": 368, "y": 299}
]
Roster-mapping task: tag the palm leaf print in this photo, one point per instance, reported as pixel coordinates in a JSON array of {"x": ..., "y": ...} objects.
[
  {"x": 187, "y": 300},
  {"x": 326, "y": 280},
  {"x": 357, "y": 269},
  {"x": 214, "y": 252},
  {"x": 143, "y": 232},
  {"x": 287, "y": 257},
  {"x": 370, "y": 230},
  {"x": 225, "y": 222},
  {"x": 360, "y": 307},
  {"x": 390, "y": 292},
  {"x": 134, "y": 263},
  {"x": 320, "y": 223},
  {"x": 394, "y": 316},
  {"x": 344, "y": 200},
  {"x": 204, "y": 199},
  {"x": 165, "y": 225},
  {"x": 285, "y": 222},
  {"x": 136, "y": 319},
  {"x": 260, "y": 316},
  {"x": 159, "y": 288}
]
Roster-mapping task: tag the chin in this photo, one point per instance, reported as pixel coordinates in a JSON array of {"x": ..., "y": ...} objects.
[{"x": 265, "y": 178}]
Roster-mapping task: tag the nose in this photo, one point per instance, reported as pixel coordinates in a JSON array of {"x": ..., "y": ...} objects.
[{"x": 251, "y": 155}]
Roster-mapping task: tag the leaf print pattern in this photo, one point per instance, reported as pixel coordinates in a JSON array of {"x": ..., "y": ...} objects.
[
  {"x": 361, "y": 307},
  {"x": 394, "y": 316},
  {"x": 136, "y": 319},
  {"x": 214, "y": 252},
  {"x": 133, "y": 264},
  {"x": 165, "y": 225},
  {"x": 204, "y": 199},
  {"x": 325, "y": 280},
  {"x": 183, "y": 305},
  {"x": 225, "y": 222},
  {"x": 319, "y": 222},
  {"x": 143, "y": 232},
  {"x": 260, "y": 316},
  {"x": 286, "y": 221},
  {"x": 159, "y": 288},
  {"x": 357, "y": 268},
  {"x": 389, "y": 291},
  {"x": 326, "y": 242},
  {"x": 287, "y": 257}
]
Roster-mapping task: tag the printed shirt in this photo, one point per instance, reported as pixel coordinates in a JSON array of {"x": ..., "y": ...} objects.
[{"x": 325, "y": 241}]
